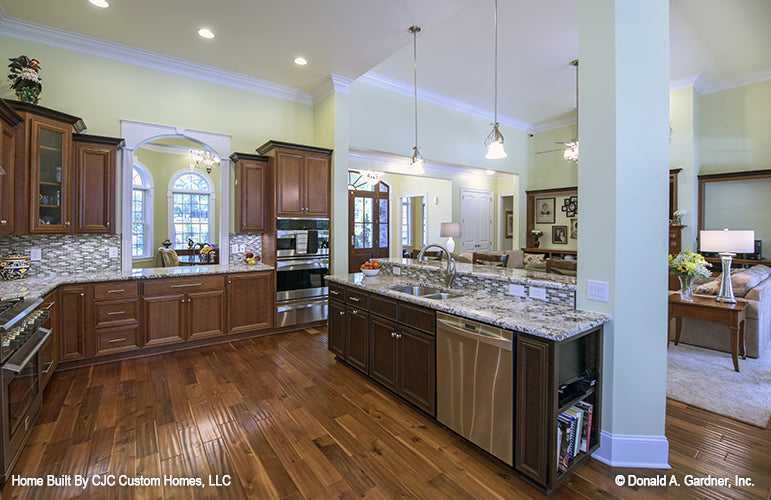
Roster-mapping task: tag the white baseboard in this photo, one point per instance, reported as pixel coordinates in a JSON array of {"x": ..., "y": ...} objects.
[{"x": 642, "y": 452}]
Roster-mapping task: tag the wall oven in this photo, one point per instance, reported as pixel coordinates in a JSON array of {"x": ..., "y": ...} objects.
[
  {"x": 20, "y": 375},
  {"x": 302, "y": 261}
]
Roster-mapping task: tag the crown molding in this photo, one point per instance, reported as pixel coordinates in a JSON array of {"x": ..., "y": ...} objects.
[
  {"x": 684, "y": 82},
  {"x": 397, "y": 164},
  {"x": 544, "y": 126},
  {"x": 394, "y": 85},
  {"x": 31, "y": 32},
  {"x": 332, "y": 83},
  {"x": 763, "y": 75}
]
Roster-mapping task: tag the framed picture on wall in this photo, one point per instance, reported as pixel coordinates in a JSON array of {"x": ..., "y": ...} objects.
[
  {"x": 574, "y": 229},
  {"x": 544, "y": 210},
  {"x": 508, "y": 231},
  {"x": 559, "y": 235}
]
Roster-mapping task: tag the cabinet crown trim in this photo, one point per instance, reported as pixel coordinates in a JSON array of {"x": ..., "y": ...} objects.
[
  {"x": 271, "y": 145},
  {"x": 78, "y": 125}
]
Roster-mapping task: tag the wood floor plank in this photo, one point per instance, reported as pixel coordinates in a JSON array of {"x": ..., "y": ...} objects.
[{"x": 286, "y": 419}]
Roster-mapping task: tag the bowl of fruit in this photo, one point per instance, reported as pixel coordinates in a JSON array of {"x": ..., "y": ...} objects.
[
  {"x": 251, "y": 258},
  {"x": 371, "y": 267}
]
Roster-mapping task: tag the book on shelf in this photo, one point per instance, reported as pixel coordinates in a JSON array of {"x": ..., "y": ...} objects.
[
  {"x": 563, "y": 424},
  {"x": 578, "y": 415},
  {"x": 587, "y": 409}
]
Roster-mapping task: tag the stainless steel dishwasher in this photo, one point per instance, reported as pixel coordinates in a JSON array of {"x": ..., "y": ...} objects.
[{"x": 475, "y": 383}]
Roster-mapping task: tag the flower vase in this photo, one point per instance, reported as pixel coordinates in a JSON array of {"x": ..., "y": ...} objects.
[
  {"x": 686, "y": 288},
  {"x": 536, "y": 244}
]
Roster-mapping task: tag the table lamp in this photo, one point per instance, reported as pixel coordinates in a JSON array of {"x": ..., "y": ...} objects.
[
  {"x": 727, "y": 244},
  {"x": 450, "y": 230}
]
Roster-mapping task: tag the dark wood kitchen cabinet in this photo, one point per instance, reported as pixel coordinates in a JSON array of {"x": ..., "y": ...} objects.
[
  {"x": 116, "y": 319},
  {"x": 252, "y": 192},
  {"x": 551, "y": 377},
  {"x": 251, "y": 301},
  {"x": 48, "y": 355},
  {"x": 302, "y": 178},
  {"x": 179, "y": 309},
  {"x": 73, "y": 301},
  {"x": 48, "y": 157},
  {"x": 11, "y": 175},
  {"x": 397, "y": 340},
  {"x": 94, "y": 183}
]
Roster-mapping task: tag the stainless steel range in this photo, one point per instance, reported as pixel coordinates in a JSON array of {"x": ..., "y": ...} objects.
[
  {"x": 20, "y": 373},
  {"x": 302, "y": 261}
]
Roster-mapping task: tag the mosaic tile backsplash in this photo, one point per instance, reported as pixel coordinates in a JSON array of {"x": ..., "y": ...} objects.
[
  {"x": 251, "y": 242},
  {"x": 65, "y": 253}
]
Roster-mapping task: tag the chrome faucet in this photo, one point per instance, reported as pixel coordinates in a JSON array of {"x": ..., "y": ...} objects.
[{"x": 450, "y": 262}]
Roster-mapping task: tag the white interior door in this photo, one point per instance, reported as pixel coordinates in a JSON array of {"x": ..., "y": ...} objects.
[{"x": 476, "y": 219}]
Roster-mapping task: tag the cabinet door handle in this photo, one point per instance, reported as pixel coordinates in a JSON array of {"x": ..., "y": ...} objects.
[
  {"x": 3, "y": 222},
  {"x": 108, "y": 224},
  {"x": 82, "y": 294},
  {"x": 393, "y": 335},
  {"x": 186, "y": 285},
  {"x": 341, "y": 313},
  {"x": 355, "y": 299},
  {"x": 116, "y": 313},
  {"x": 48, "y": 367},
  {"x": 122, "y": 339},
  {"x": 50, "y": 305},
  {"x": 334, "y": 292},
  {"x": 116, "y": 291},
  {"x": 67, "y": 224},
  {"x": 354, "y": 311}
]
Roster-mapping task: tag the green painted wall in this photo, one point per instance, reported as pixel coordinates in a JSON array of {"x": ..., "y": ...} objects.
[
  {"x": 549, "y": 168},
  {"x": 162, "y": 167}
]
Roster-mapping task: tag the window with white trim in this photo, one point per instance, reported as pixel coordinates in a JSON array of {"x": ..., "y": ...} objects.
[
  {"x": 141, "y": 213},
  {"x": 191, "y": 208}
]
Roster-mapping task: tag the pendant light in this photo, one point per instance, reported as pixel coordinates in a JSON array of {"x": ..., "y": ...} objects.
[
  {"x": 494, "y": 141},
  {"x": 417, "y": 158},
  {"x": 571, "y": 147}
]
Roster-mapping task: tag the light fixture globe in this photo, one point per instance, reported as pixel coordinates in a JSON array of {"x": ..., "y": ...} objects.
[
  {"x": 494, "y": 143},
  {"x": 571, "y": 151},
  {"x": 417, "y": 161}
]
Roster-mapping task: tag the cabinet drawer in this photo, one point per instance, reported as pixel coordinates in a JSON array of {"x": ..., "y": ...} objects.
[
  {"x": 336, "y": 292},
  {"x": 121, "y": 338},
  {"x": 383, "y": 306},
  {"x": 184, "y": 285},
  {"x": 117, "y": 290},
  {"x": 356, "y": 298},
  {"x": 116, "y": 312},
  {"x": 417, "y": 317}
]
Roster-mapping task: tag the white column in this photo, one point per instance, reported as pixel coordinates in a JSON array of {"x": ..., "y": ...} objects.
[
  {"x": 226, "y": 166},
  {"x": 124, "y": 208},
  {"x": 623, "y": 200}
]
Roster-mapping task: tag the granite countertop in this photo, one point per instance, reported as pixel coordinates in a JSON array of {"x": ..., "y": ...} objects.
[
  {"x": 38, "y": 286},
  {"x": 512, "y": 313},
  {"x": 518, "y": 276}
]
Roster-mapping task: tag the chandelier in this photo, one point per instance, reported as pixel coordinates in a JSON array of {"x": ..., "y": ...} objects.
[
  {"x": 494, "y": 141},
  {"x": 371, "y": 177},
  {"x": 571, "y": 147},
  {"x": 203, "y": 159}
]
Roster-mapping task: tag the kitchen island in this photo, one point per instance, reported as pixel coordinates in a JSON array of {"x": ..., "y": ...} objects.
[{"x": 385, "y": 329}]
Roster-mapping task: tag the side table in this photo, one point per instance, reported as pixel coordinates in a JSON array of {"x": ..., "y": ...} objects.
[{"x": 705, "y": 307}]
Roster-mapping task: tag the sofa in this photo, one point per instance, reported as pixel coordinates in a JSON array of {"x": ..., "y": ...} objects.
[{"x": 752, "y": 285}]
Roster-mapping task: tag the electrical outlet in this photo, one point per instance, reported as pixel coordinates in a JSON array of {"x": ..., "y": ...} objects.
[
  {"x": 35, "y": 254},
  {"x": 242, "y": 248},
  {"x": 112, "y": 253},
  {"x": 537, "y": 292},
  {"x": 397, "y": 271},
  {"x": 517, "y": 290},
  {"x": 233, "y": 248},
  {"x": 597, "y": 290}
]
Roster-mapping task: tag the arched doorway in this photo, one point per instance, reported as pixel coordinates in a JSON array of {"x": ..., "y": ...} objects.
[{"x": 136, "y": 134}]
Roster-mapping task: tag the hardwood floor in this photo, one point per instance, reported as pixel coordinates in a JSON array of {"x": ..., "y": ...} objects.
[{"x": 284, "y": 419}]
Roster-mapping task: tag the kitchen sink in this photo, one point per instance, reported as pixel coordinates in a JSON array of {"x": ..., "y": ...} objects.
[
  {"x": 417, "y": 290},
  {"x": 427, "y": 292},
  {"x": 442, "y": 296}
]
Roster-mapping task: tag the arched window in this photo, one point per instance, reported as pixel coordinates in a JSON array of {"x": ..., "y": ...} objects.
[
  {"x": 141, "y": 213},
  {"x": 191, "y": 208}
]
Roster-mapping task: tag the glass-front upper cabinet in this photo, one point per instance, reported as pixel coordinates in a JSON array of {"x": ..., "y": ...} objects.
[{"x": 51, "y": 166}]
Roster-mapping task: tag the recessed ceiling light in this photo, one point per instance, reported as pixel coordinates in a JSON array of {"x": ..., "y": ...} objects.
[
  {"x": 490, "y": 172},
  {"x": 100, "y": 3},
  {"x": 206, "y": 33},
  {"x": 300, "y": 61}
]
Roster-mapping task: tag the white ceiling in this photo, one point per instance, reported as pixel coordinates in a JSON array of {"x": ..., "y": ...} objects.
[{"x": 719, "y": 39}]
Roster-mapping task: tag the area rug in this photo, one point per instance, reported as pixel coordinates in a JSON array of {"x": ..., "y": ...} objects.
[{"x": 706, "y": 379}]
